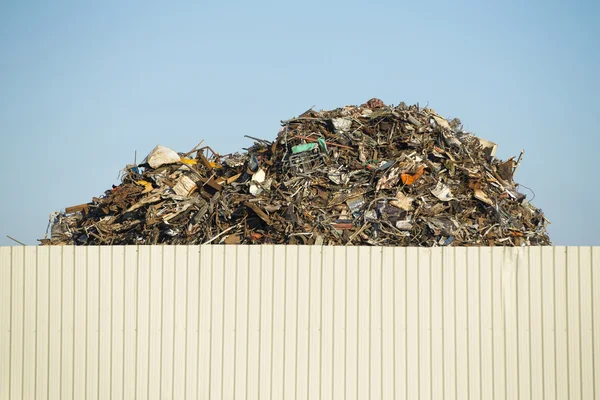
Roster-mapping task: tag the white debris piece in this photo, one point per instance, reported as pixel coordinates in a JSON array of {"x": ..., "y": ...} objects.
[
  {"x": 403, "y": 201},
  {"x": 257, "y": 179},
  {"x": 184, "y": 186},
  {"x": 405, "y": 225},
  {"x": 442, "y": 192},
  {"x": 161, "y": 155},
  {"x": 341, "y": 124}
]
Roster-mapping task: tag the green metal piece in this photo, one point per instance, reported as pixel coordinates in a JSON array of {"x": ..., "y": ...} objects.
[
  {"x": 322, "y": 145},
  {"x": 303, "y": 147}
]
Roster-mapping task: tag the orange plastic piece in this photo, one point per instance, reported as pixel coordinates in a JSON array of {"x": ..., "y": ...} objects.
[
  {"x": 409, "y": 179},
  {"x": 255, "y": 236}
]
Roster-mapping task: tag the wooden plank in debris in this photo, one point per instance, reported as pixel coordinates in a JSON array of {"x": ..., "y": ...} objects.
[
  {"x": 233, "y": 178},
  {"x": 78, "y": 208},
  {"x": 212, "y": 183},
  {"x": 205, "y": 161},
  {"x": 258, "y": 212}
]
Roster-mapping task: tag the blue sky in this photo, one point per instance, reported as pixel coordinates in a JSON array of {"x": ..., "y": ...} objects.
[{"x": 83, "y": 85}]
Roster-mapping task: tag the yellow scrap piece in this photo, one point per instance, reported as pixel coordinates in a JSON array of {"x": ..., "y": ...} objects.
[
  {"x": 146, "y": 184},
  {"x": 189, "y": 161},
  {"x": 214, "y": 164}
]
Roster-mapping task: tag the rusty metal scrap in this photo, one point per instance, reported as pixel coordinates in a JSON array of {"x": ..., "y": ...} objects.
[{"x": 358, "y": 175}]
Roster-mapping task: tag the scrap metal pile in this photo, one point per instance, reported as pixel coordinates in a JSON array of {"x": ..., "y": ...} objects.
[{"x": 358, "y": 175}]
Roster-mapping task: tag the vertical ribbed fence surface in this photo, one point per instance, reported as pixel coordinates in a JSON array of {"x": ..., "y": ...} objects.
[{"x": 200, "y": 322}]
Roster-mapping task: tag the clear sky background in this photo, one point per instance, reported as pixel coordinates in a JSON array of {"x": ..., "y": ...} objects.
[{"x": 85, "y": 84}]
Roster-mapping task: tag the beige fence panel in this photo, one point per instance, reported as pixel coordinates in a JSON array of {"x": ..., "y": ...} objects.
[{"x": 198, "y": 322}]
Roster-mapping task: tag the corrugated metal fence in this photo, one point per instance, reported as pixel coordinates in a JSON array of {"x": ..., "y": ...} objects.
[{"x": 299, "y": 322}]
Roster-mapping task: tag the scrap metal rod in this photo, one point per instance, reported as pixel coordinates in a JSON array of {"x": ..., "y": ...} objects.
[{"x": 12, "y": 238}]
